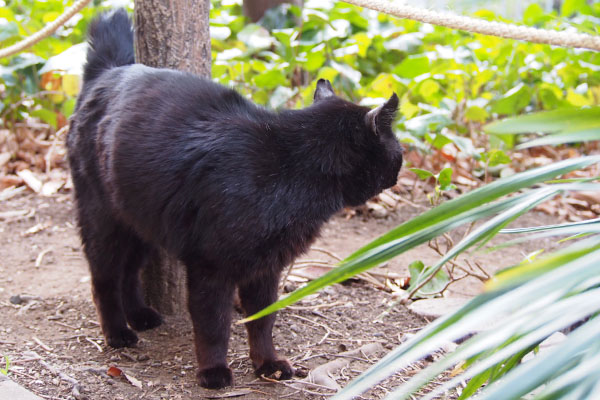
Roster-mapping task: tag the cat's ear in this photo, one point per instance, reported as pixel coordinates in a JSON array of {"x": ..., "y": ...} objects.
[
  {"x": 323, "y": 90},
  {"x": 381, "y": 118}
]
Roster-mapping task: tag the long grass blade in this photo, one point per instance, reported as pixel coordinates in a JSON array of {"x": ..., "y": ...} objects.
[
  {"x": 543, "y": 367},
  {"x": 486, "y": 307},
  {"x": 546, "y": 121}
]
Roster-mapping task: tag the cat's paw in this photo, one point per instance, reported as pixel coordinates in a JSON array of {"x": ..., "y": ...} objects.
[
  {"x": 123, "y": 337},
  {"x": 276, "y": 369},
  {"x": 215, "y": 378},
  {"x": 144, "y": 319}
]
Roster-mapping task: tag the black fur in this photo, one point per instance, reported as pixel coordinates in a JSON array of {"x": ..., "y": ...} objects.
[{"x": 165, "y": 159}]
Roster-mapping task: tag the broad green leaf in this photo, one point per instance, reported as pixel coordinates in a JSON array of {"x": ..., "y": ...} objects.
[
  {"x": 497, "y": 157},
  {"x": 570, "y": 7},
  {"x": 315, "y": 60},
  {"x": 534, "y": 14},
  {"x": 413, "y": 66},
  {"x": 428, "y": 89},
  {"x": 515, "y": 100},
  {"x": 45, "y": 115},
  {"x": 422, "y": 173},
  {"x": 477, "y": 114},
  {"x": 438, "y": 140},
  {"x": 271, "y": 79},
  {"x": 421, "y": 124},
  {"x": 445, "y": 177},
  {"x": 433, "y": 287}
]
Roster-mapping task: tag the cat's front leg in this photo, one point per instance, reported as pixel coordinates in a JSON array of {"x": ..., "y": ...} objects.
[
  {"x": 210, "y": 306},
  {"x": 256, "y": 295}
]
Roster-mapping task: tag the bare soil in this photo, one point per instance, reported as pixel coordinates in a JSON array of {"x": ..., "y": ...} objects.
[{"x": 49, "y": 329}]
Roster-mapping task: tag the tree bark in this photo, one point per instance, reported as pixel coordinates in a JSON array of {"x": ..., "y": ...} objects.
[
  {"x": 171, "y": 34},
  {"x": 255, "y": 9}
]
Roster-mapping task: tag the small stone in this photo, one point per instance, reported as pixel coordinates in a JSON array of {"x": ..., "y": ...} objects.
[
  {"x": 435, "y": 308},
  {"x": 143, "y": 357},
  {"x": 289, "y": 287},
  {"x": 16, "y": 300}
]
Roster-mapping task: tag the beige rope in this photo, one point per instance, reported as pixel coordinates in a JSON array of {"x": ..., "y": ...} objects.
[
  {"x": 508, "y": 31},
  {"x": 46, "y": 31}
]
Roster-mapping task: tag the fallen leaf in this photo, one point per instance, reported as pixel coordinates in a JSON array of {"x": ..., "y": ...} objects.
[
  {"x": 114, "y": 372},
  {"x": 51, "y": 187},
  {"x": 13, "y": 214},
  {"x": 135, "y": 382},
  {"x": 30, "y": 180},
  {"x": 36, "y": 229},
  {"x": 589, "y": 196}
]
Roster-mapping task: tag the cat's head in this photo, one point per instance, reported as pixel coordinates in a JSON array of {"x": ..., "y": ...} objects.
[{"x": 368, "y": 156}]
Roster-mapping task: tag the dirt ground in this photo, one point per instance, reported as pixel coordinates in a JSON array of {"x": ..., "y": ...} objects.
[{"x": 49, "y": 329}]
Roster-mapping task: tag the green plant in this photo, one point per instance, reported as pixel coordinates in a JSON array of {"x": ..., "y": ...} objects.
[{"x": 443, "y": 182}]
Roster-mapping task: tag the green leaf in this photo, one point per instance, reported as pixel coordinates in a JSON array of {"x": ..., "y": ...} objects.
[
  {"x": 413, "y": 66},
  {"x": 45, "y": 115},
  {"x": 438, "y": 140},
  {"x": 421, "y": 124},
  {"x": 515, "y": 100},
  {"x": 445, "y": 177},
  {"x": 476, "y": 114},
  {"x": 422, "y": 174},
  {"x": 428, "y": 89},
  {"x": 570, "y": 7},
  {"x": 270, "y": 79},
  {"x": 315, "y": 60},
  {"x": 571, "y": 136},
  {"x": 8, "y": 29},
  {"x": 497, "y": 157},
  {"x": 433, "y": 287},
  {"x": 534, "y": 14},
  {"x": 547, "y": 121}
]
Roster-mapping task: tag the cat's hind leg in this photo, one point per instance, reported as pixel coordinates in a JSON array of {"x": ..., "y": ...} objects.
[
  {"x": 106, "y": 244},
  {"x": 139, "y": 316}
]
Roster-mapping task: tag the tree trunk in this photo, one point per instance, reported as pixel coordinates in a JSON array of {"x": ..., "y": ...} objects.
[
  {"x": 171, "y": 34},
  {"x": 255, "y": 9}
]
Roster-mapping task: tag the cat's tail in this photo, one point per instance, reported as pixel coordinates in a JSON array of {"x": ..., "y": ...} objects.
[{"x": 110, "y": 39}]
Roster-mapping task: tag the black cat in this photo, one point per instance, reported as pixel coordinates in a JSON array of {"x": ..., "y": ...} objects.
[{"x": 163, "y": 158}]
